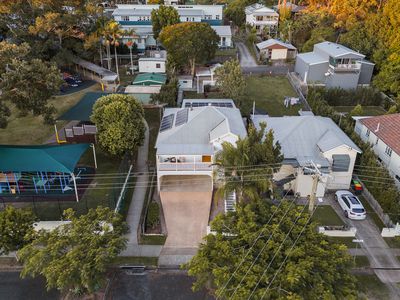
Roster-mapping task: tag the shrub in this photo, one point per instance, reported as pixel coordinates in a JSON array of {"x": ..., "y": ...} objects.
[{"x": 153, "y": 215}]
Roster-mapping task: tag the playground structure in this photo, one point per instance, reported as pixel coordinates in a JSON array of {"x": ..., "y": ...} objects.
[{"x": 49, "y": 170}]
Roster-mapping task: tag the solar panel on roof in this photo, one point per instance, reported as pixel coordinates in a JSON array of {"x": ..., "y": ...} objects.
[
  {"x": 215, "y": 104},
  {"x": 181, "y": 117},
  {"x": 166, "y": 122}
]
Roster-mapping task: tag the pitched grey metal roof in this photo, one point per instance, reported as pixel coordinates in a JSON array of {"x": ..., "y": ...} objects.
[
  {"x": 312, "y": 58},
  {"x": 132, "y": 12},
  {"x": 337, "y": 50},
  {"x": 204, "y": 125},
  {"x": 270, "y": 42},
  {"x": 305, "y": 138},
  {"x": 190, "y": 12},
  {"x": 222, "y": 30},
  {"x": 257, "y": 7}
]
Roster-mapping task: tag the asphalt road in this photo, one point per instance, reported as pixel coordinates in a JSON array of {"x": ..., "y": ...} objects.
[
  {"x": 155, "y": 285},
  {"x": 12, "y": 287}
]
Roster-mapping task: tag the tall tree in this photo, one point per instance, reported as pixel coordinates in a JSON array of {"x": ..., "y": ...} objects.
[
  {"x": 112, "y": 34},
  {"x": 162, "y": 17},
  {"x": 189, "y": 43},
  {"x": 30, "y": 84},
  {"x": 16, "y": 229},
  {"x": 119, "y": 121},
  {"x": 231, "y": 80},
  {"x": 238, "y": 164},
  {"x": 282, "y": 259},
  {"x": 74, "y": 256}
]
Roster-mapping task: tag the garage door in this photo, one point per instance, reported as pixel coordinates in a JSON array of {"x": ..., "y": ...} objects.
[{"x": 186, "y": 202}]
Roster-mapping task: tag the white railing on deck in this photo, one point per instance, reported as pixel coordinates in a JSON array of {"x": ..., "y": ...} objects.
[{"x": 198, "y": 166}]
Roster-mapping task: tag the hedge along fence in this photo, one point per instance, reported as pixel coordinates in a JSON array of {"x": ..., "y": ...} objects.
[{"x": 375, "y": 176}]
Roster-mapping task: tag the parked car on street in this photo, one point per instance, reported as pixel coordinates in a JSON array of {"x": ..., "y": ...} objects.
[
  {"x": 351, "y": 205},
  {"x": 71, "y": 82}
]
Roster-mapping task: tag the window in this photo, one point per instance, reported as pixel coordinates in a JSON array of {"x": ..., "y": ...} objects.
[
  {"x": 346, "y": 202},
  {"x": 388, "y": 151},
  {"x": 367, "y": 133},
  {"x": 208, "y": 17},
  {"x": 257, "y": 27},
  {"x": 217, "y": 17},
  {"x": 341, "y": 162},
  {"x": 259, "y": 18},
  {"x": 397, "y": 178},
  {"x": 125, "y": 18},
  {"x": 377, "y": 141},
  {"x": 158, "y": 66}
]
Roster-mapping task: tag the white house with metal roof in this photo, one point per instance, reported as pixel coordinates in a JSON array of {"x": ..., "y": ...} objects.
[
  {"x": 334, "y": 65},
  {"x": 138, "y": 19},
  {"x": 274, "y": 49},
  {"x": 308, "y": 140},
  {"x": 261, "y": 17},
  {"x": 190, "y": 136}
]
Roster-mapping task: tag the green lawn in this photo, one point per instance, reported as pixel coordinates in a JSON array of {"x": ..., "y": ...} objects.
[
  {"x": 30, "y": 129},
  {"x": 393, "y": 242},
  {"x": 348, "y": 241},
  {"x": 152, "y": 239},
  {"x": 368, "y": 110},
  {"x": 268, "y": 92},
  {"x": 325, "y": 215},
  {"x": 361, "y": 261},
  {"x": 226, "y": 52},
  {"x": 152, "y": 116},
  {"x": 370, "y": 287}
]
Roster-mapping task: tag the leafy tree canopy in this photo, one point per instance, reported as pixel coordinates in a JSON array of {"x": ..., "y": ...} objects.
[
  {"x": 74, "y": 257},
  {"x": 16, "y": 228},
  {"x": 189, "y": 43},
  {"x": 162, "y": 17},
  {"x": 282, "y": 259},
  {"x": 231, "y": 80},
  {"x": 119, "y": 121}
]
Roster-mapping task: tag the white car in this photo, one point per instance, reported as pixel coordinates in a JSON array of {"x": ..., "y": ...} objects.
[{"x": 351, "y": 205}]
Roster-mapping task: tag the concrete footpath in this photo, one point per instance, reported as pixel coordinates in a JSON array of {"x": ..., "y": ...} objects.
[{"x": 136, "y": 206}]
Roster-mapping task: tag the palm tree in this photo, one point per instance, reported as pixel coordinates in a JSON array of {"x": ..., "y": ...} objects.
[
  {"x": 248, "y": 165},
  {"x": 130, "y": 44},
  {"x": 113, "y": 34}
]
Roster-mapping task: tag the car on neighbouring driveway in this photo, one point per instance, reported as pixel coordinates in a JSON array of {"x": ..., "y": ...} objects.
[{"x": 351, "y": 205}]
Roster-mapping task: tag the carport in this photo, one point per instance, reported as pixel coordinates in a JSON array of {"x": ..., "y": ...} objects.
[{"x": 186, "y": 202}]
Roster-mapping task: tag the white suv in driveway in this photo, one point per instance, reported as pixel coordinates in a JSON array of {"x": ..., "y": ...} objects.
[{"x": 351, "y": 205}]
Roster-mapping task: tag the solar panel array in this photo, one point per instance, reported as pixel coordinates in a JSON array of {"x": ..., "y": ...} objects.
[
  {"x": 216, "y": 104},
  {"x": 182, "y": 117},
  {"x": 166, "y": 122}
]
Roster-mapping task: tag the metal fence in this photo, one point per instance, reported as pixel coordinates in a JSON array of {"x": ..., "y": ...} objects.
[{"x": 299, "y": 91}]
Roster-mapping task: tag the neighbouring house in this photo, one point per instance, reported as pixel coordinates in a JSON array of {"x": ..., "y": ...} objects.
[
  {"x": 274, "y": 49},
  {"x": 309, "y": 140},
  {"x": 383, "y": 134},
  {"x": 185, "y": 82},
  {"x": 294, "y": 9},
  {"x": 152, "y": 64},
  {"x": 262, "y": 17},
  {"x": 187, "y": 143},
  {"x": 334, "y": 65},
  {"x": 138, "y": 19},
  {"x": 190, "y": 136},
  {"x": 204, "y": 76},
  {"x": 150, "y": 79}
]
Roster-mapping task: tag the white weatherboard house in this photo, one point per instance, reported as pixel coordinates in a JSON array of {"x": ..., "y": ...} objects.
[
  {"x": 274, "y": 49},
  {"x": 152, "y": 64},
  {"x": 306, "y": 140},
  {"x": 138, "y": 18},
  {"x": 261, "y": 17},
  {"x": 190, "y": 136},
  {"x": 383, "y": 133},
  {"x": 334, "y": 65}
]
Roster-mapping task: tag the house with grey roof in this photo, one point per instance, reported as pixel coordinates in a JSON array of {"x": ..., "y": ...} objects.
[
  {"x": 274, "y": 49},
  {"x": 190, "y": 136},
  {"x": 334, "y": 65},
  {"x": 262, "y": 18},
  {"x": 307, "y": 141}
]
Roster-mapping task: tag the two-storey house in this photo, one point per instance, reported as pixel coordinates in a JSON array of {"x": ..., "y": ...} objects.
[{"x": 264, "y": 19}]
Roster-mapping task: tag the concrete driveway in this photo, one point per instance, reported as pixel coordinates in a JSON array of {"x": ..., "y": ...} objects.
[
  {"x": 246, "y": 59},
  {"x": 375, "y": 248},
  {"x": 186, "y": 202}
]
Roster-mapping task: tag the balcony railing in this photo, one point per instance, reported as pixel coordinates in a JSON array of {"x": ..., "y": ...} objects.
[
  {"x": 192, "y": 167},
  {"x": 346, "y": 67}
]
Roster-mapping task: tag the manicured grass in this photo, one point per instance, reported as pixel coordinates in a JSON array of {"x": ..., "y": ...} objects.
[
  {"x": 325, "y": 215},
  {"x": 368, "y": 110},
  {"x": 361, "y": 262},
  {"x": 135, "y": 260},
  {"x": 268, "y": 92},
  {"x": 152, "y": 116},
  {"x": 371, "y": 213},
  {"x": 152, "y": 239},
  {"x": 31, "y": 129},
  {"x": 393, "y": 242},
  {"x": 371, "y": 287},
  {"x": 226, "y": 52}
]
